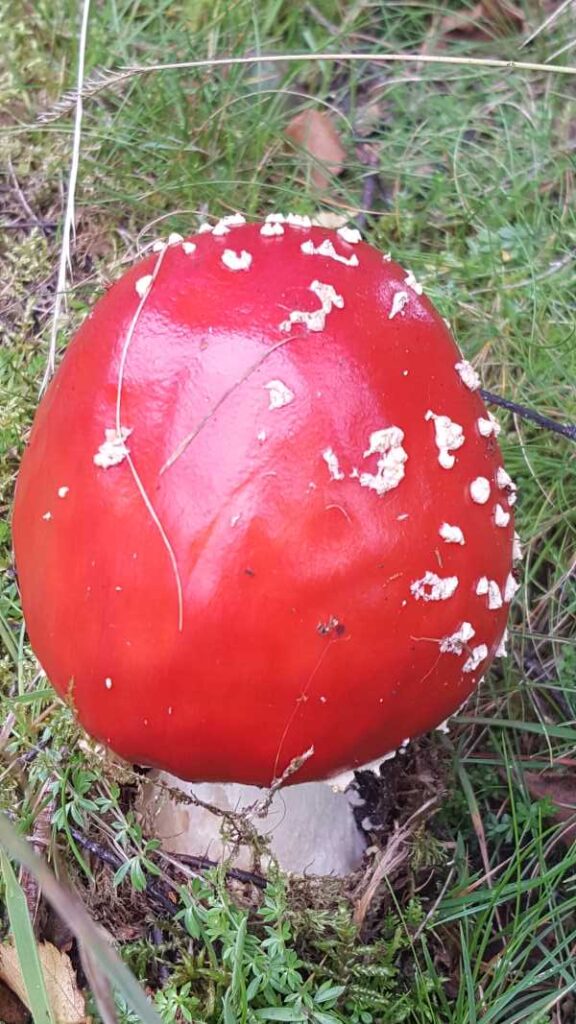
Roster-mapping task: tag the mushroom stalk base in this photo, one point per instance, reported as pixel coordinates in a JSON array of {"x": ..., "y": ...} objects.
[{"x": 311, "y": 828}]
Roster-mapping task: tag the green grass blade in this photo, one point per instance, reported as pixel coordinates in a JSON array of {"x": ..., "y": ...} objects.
[
  {"x": 26, "y": 946},
  {"x": 8, "y": 640},
  {"x": 74, "y": 913}
]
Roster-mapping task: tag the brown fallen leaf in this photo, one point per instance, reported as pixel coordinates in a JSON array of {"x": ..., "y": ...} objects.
[
  {"x": 314, "y": 131},
  {"x": 65, "y": 998},
  {"x": 463, "y": 23},
  {"x": 485, "y": 20},
  {"x": 12, "y": 1009},
  {"x": 504, "y": 15},
  {"x": 560, "y": 790}
]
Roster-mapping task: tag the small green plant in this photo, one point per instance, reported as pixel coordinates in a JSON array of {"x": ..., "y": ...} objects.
[{"x": 249, "y": 964}]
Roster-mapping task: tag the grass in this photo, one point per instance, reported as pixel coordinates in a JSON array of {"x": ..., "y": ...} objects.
[{"x": 467, "y": 175}]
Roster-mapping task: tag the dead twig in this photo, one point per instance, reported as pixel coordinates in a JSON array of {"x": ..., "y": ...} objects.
[
  {"x": 163, "y": 893},
  {"x": 105, "y": 78},
  {"x": 389, "y": 860},
  {"x": 21, "y": 197},
  {"x": 261, "y": 808},
  {"x": 565, "y": 429}
]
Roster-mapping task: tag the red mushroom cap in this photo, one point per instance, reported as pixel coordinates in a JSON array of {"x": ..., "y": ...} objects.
[{"x": 263, "y": 510}]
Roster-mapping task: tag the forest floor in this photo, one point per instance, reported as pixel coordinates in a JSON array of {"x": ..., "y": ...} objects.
[{"x": 466, "y": 173}]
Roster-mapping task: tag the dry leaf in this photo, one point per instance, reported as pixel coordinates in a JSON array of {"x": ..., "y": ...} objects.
[
  {"x": 389, "y": 860},
  {"x": 465, "y": 23},
  {"x": 485, "y": 19},
  {"x": 505, "y": 15},
  {"x": 64, "y": 996},
  {"x": 314, "y": 132},
  {"x": 12, "y": 1009},
  {"x": 560, "y": 790}
]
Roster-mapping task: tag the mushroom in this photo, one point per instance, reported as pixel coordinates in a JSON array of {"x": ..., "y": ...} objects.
[{"x": 287, "y": 538}]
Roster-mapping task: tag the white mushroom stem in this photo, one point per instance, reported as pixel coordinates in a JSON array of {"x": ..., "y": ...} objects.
[{"x": 311, "y": 828}]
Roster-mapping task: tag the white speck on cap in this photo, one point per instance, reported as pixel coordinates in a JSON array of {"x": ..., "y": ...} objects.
[
  {"x": 47, "y": 516},
  {"x": 231, "y": 220},
  {"x": 170, "y": 710},
  {"x": 331, "y": 460},
  {"x": 490, "y": 588},
  {"x": 234, "y": 220},
  {"x": 451, "y": 534},
  {"x": 261, "y": 436},
  {"x": 159, "y": 245},
  {"x": 402, "y": 517},
  {"x": 279, "y": 394},
  {"x": 478, "y": 655},
  {"x": 443, "y": 727},
  {"x": 503, "y": 479},
  {"x": 502, "y": 649},
  {"x": 326, "y": 248},
  {"x": 108, "y": 683},
  {"x": 350, "y": 235},
  {"x": 235, "y": 519},
  {"x": 63, "y": 491},
  {"x": 220, "y": 228},
  {"x": 511, "y": 587},
  {"x": 390, "y": 469},
  {"x": 386, "y": 257},
  {"x": 236, "y": 260},
  {"x": 448, "y": 435},
  {"x": 455, "y": 643},
  {"x": 174, "y": 238},
  {"x": 480, "y": 490},
  {"x": 188, "y": 248},
  {"x": 468, "y": 375},
  {"x": 411, "y": 282},
  {"x": 327, "y": 294},
  {"x": 298, "y": 220},
  {"x": 205, "y": 228},
  {"x": 142, "y": 285},
  {"x": 315, "y": 320},
  {"x": 488, "y": 427},
  {"x": 271, "y": 228},
  {"x": 506, "y": 483},
  {"x": 399, "y": 301},
  {"x": 433, "y": 588},
  {"x": 113, "y": 451},
  {"x": 275, "y": 218},
  {"x": 501, "y": 518},
  {"x": 494, "y": 596}
]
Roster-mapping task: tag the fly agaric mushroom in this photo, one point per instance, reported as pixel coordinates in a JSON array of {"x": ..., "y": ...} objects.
[{"x": 262, "y": 527}]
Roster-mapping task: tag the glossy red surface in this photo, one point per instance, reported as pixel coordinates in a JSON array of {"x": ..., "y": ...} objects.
[{"x": 300, "y": 628}]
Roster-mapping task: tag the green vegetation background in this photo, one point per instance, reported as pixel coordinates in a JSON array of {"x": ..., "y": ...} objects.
[{"x": 467, "y": 174}]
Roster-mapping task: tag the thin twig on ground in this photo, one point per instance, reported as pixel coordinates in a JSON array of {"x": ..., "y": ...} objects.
[{"x": 565, "y": 429}]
